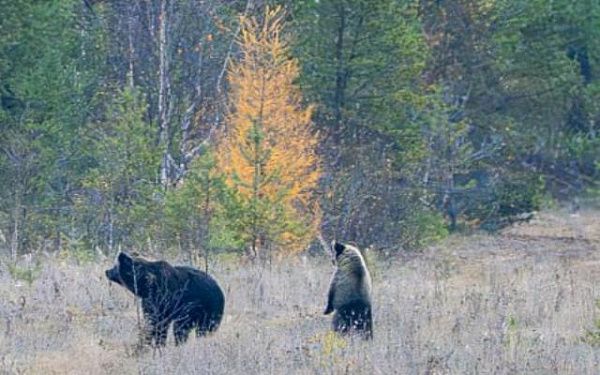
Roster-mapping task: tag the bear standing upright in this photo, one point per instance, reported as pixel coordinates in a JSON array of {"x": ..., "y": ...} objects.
[
  {"x": 350, "y": 292},
  {"x": 188, "y": 297}
]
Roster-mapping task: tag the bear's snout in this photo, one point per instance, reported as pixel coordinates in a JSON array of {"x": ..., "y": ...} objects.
[{"x": 113, "y": 275}]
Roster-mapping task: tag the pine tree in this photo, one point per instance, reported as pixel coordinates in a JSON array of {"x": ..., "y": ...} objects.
[
  {"x": 121, "y": 207},
  {"x": 268, "y": 151}
]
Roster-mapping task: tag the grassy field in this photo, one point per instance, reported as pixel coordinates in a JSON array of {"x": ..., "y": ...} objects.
[{"x": 517, "y": 302}]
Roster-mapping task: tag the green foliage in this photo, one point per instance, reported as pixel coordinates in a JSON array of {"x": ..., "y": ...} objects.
[
  {"x": 122, "y": 199},
  {"x": 28, "y": 273},
  {"x": 423, "y": 228},
  {"x": 44, "y": 79},
  {"x": 199, "y": 212},
  {"x": 500, "y": 203},
  {"x": 361, "y": 62},
  {"x": 79, "y": 250},
  {"x": 548, "y": 57},
  {"x": 431, "y": 115},
  {"x": 522, "y": 74}
]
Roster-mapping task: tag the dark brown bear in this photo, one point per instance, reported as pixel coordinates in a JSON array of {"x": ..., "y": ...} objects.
[{"x": 189, "y": 298}]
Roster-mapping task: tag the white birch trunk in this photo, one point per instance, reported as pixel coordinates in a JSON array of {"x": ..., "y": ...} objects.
[{"x": 163, "y": 94}]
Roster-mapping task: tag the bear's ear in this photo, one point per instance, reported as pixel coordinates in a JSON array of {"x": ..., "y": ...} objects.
[
  {"x": 338, "y": 248},
  {"x": 124, "y": 259}
]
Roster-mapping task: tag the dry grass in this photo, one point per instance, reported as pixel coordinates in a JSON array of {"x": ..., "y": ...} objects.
[{"x": 519, "y": 302}]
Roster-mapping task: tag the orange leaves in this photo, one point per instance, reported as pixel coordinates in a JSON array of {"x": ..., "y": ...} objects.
[{"x": 269, "y": 149}]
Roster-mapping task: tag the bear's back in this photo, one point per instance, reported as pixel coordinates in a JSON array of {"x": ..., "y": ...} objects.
[
  {"x": 352, "y": 279},
  {"x": 200, "y": 284}
]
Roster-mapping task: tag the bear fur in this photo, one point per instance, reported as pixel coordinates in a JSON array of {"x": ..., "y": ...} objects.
[
  {"x": 350, "y": 292},
  {"x": 188, "y": 297}
]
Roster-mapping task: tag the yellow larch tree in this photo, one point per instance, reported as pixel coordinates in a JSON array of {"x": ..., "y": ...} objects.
[{"x": 268, "y": 149}]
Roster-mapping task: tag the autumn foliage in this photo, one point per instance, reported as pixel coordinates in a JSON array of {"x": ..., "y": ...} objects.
[{"x": 268, "y": 150}]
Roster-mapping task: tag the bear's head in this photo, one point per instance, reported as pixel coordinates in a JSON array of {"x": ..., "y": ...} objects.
[
  {"x": 135, "y": 274},
  {"x": 338, "y": 248}
]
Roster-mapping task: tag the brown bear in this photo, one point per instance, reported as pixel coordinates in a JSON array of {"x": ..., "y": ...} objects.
[
  {"x": 350, "y": 292},
  {"x": 188, "y": 297}
]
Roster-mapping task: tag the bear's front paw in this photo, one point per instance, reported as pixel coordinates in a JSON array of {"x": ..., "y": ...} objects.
[{"x": 328, "y": 310}]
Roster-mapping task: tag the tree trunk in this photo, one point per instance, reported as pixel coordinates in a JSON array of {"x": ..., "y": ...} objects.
[
  {"x": 163, "y": 94},
  {"x": 14, "y": 241},
  {"x": 258, "y": 170},
  {"x": 131, "y": 52},
  {"x": 340, "y": 79},
  {"x": 207, "y": 216}
]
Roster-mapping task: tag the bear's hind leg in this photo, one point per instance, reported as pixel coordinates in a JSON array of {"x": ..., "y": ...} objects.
[
  {"x": 367, "y": 324},
  {"x": 341, "y": 323},
  {"x": 206, "y": 323},
  {"x": 354, "y": 317}
]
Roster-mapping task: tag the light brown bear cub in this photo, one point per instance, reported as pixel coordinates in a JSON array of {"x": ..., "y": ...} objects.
[{"x": 350, "y": 292}]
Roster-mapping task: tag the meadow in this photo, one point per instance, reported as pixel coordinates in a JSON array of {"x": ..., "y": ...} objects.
[{"x": 522, "y": 301}]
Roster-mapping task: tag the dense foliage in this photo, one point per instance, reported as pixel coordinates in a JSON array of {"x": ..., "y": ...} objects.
[{"x": 430, "y": 116}]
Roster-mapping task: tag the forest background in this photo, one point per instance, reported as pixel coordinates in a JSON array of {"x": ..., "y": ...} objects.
[{"x": 256, "y": 127}]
